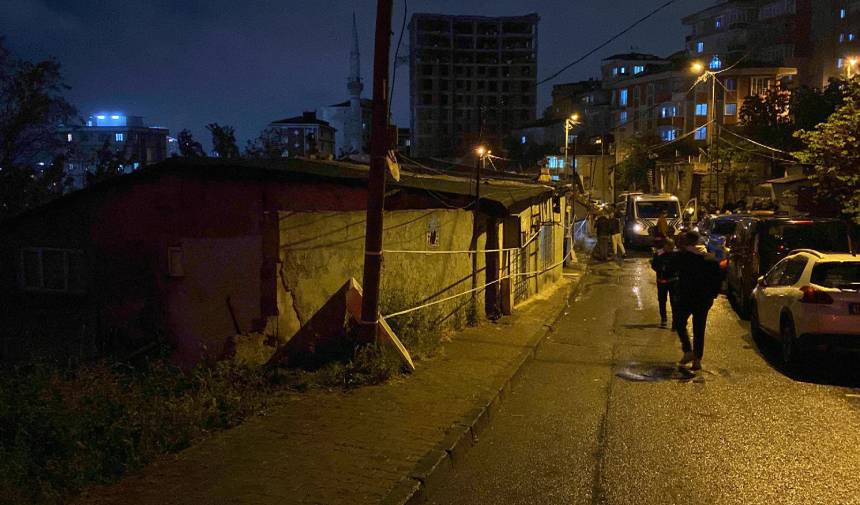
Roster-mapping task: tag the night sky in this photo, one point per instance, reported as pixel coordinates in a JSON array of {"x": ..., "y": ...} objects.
[{"x": 183, "y": 64}]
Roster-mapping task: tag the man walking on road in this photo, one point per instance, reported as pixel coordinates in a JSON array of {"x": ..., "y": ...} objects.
[
  {"x": 604, "y": 232},
  {"x": 663, "y": 263},
  {"x": 699, "y": 281}
]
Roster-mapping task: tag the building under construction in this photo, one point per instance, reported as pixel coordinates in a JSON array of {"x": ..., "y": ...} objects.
[{"x": 472, "y": 79}]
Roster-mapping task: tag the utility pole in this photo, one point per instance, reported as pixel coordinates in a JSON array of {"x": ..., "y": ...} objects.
[
  {"x": 482, "y": 153},
  {"x": 380, "y": 143}
]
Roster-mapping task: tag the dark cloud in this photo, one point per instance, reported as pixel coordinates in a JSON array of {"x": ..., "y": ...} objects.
[{"x": 183, "y": 64}]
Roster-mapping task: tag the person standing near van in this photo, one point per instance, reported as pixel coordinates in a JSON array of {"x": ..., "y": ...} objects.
[
  {"x": 604, "y": 232},
  {"x": 617, "y": 241},
  {"x": 699, "y": 282}
]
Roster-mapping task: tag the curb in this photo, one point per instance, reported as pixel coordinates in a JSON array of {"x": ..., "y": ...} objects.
[{"x": 432, "y": 470}]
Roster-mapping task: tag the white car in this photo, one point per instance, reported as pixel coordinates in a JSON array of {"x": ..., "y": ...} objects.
[{"x": 809, "y": 300}]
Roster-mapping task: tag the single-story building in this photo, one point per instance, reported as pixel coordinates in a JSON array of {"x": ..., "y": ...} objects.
[{"x": 197, "y": 251}]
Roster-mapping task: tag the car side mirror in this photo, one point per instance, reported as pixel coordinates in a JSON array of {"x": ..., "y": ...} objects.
[{"x": 761, "y": 282}]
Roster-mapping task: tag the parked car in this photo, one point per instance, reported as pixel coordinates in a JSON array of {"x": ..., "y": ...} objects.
[
  {"x": 809, "y": 299},
  {"x": 715, "y": 230},
  {"x": 760, "y": 242}
]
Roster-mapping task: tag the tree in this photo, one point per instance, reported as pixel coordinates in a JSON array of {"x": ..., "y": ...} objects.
[
  {"x": 188, "y": 147},
  {"x": 109, "y": 163},
  {"x": 31, "y": 107},
  {"x": 638, "y": 164},
  {"x": 833, "y": 150},
  {"x": 811, "y": 107},
  {"x": 269, "y": 145},
  {"x": 223, "y": 141},
  {"x": 766, "y": 118}
]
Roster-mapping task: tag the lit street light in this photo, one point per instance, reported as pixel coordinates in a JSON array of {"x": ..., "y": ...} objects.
[{"x": 850, "y": 65}]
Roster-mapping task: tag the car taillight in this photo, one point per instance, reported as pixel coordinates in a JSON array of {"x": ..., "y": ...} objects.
[
  {"x": 724, "y": 264},
  {"x": 813, "y": 295}
]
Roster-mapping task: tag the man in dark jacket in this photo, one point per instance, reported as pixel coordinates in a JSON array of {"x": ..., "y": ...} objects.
[
  {"x": 603, "y": 226},
  {"x": 663, "y": 263},
  {"x": 699, "y": 281}
]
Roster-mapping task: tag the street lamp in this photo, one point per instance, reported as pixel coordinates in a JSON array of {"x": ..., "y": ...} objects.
[
  {"x": 850, "y": 65},
  {"x": 699, "y": 68},
  {"x": 569, "y": 124}
]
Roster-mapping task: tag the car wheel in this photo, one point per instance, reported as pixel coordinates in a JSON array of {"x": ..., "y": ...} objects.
[
  {"x": 790, "y": 352},
  {"x": 755, "y": 327}
]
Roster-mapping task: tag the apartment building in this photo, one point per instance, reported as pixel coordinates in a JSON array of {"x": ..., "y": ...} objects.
[
  {"x": 666, "y": 102},
  {"x": 305, "y": 135},
  {"x": 129, "y": 138},
  {"x": 818, "y": 37},
  {"x": 472, "y": 79}
]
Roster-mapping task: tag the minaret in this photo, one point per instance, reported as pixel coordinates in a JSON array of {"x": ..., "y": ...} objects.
[{"x": 353, "y": 126}]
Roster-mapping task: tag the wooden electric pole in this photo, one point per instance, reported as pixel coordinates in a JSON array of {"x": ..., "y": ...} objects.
[{"x": 380, "y": 143}]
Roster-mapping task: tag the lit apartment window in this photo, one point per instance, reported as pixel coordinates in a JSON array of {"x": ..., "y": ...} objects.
[
  {"x": 851, "y": 37},
  {"x": 702, "y": 133},
  {"x": 622, "y": 117},
  {"x": 701, "y": 109},
  {"x": 523, "y": 140},
  {"x": 731, "y": 109},
  {"x": 700, "y": 47},
  {"x": 614, "y": 71},
  {"x": 718, "y": 22},
  {"x": 120, "y": 137},
  {"x": 668, "y": 111},
  {"x": 622, "y": 70},
  {"x": 716, "y": 63},
  {"x": 622, "y": 97},
  {"x": 638, "y": 69},
  {"x": 843, "y": 13},
  {"x": 69, "y": 135},
  {"x": 668, "y": 134},
  {"x": 841, "y": 38},
  {"x": 840, "y": 63}
]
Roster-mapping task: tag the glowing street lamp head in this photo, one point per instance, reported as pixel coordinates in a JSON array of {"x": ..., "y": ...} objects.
[
  {"x": 697, "y": 67},
  {"x": 574, "y": 117},
  {"x": 852, "y": 62},
  {"x": 481, "y": 150}
]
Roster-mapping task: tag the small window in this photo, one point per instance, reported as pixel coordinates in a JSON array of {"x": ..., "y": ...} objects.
[
  {"x": 775, "y": 274},
  {"x": 841, "y": 38},
  {"x": 68, "y": 137},
  {"x": 523, "y": 140},
  {"x": 840, "y": 63},
  {"x": 668, "y": 134},
  {"x": 638, "y": 69},
  {"x": 843, "y": 13},
  {"x": 851, "y": 37},
  {"x": 718, "y": 22},
  {"x": 622, "y": 117},
  {"x": 700, "y": 47},
  {"x": 731, "y": 84},
  {"x": 731, "y": 109},
  {"x": 701, "y": 109},
  {"x": 702, "y": 133},
  {"x": 120, "y": 137},
  {"x": 622, "y": 97}
]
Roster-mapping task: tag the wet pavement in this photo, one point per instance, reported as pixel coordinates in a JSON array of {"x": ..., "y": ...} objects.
[{"x": 604, "y": 416}]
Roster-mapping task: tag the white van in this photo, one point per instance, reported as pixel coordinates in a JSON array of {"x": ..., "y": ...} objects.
[{"x": 642, "y": 213}]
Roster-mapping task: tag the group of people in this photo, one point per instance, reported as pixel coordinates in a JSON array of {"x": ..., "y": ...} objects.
[
  {"x": 691, "y": 279},
  {"x": 610, "y": 243}
]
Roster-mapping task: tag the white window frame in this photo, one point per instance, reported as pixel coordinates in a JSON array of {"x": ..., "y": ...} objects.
[
  {"x": 119, "y": 137},
  {"x": 40, "y": 287}
]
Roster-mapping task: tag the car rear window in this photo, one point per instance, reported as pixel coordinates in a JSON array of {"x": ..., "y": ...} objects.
[
  {"x": 841, "y": 275},
  {"x": 724, "y": 227},
  {"x": 826, "y": 236}
]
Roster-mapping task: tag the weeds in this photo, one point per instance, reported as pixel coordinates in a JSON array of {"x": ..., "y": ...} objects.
[{"x": 66, "y": 427}]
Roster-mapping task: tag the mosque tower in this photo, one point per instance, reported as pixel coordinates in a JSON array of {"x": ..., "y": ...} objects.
[{"x": 353, "y": 124}]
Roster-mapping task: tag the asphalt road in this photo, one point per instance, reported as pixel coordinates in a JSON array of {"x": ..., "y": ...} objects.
[{"x": 603, "y": 416}]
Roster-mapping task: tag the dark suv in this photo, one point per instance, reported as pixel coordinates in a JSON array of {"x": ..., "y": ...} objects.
[{"x": 760, "y": 242}]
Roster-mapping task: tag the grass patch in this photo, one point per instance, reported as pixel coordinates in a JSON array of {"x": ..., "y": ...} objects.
[{"x": 66, "y": 427}]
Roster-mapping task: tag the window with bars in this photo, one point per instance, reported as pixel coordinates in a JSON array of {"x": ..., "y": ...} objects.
[{"x": 52, "y": 270}]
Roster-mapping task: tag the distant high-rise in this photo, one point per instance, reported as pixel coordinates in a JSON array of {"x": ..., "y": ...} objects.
[{"x": 472, "y": 80}]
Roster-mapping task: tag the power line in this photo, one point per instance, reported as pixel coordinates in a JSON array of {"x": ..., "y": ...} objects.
[
  {"x": 396, "y": 54},
  {"x": 611, "y": 40}
]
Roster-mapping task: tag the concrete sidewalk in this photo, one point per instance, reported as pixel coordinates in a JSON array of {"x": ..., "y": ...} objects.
[{"x": 383, "y": 443}]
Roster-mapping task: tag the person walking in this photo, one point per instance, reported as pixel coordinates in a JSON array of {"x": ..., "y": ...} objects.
[
  {"x": 699, "y": 282},
  {"x": 617, "y": 241},
  {"x": 663, "y": 264},
  {"x": 604, "y": 232},
  {"x": 662, "y": 228}
]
